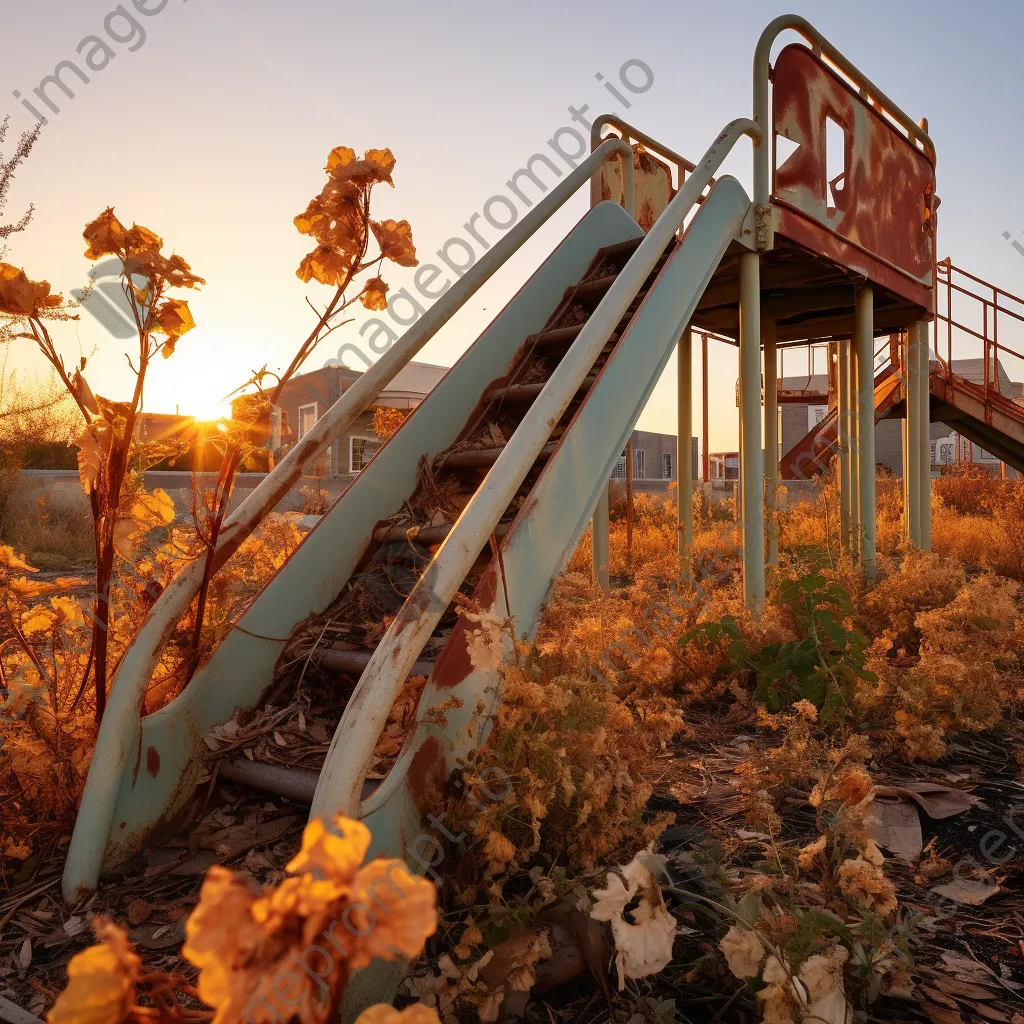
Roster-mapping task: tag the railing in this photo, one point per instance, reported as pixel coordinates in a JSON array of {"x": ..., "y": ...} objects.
[
  {"x": 820, "y": 46},
  {"x": 977, "y": 320},
  {"x": 342, "y": 776}
]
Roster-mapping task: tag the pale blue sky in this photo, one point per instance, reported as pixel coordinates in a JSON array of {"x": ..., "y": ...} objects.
[{"x": 215, "y": 131}]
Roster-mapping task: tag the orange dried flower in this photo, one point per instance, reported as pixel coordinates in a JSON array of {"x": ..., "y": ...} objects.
[{"x": 101, "y": 981}]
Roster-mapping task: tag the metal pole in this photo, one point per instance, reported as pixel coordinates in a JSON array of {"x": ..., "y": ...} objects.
[
  {"x": 906, "y": 474},
  {"x": 751, "y": 453},
  {"x": 684, "y": 449},
  {"x": 629, "y": 506},
  {"x": 912, "y": 451},
  {"x": 706, "y": 474},
  {"x": 771, "y": 437},
  {"x": 600, "y": 539},
  {"x": 924, "y": 362},
  {"x": 854, "y": 439},
  {"x": 843, "y": 436},
  {"x": 864, "y": 332}
]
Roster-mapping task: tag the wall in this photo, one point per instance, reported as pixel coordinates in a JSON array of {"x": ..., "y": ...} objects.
[{"x": 63, "y": 488}]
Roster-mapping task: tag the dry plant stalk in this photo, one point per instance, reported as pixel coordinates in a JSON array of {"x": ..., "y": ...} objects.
[{"x": 339, "y": 220}]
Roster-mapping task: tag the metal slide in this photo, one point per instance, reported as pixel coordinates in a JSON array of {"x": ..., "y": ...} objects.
[{"x": 565, "y": 369}]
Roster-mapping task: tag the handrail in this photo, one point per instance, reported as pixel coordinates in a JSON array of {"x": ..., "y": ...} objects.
[
  {"x": 992, "y": 305},
  {"x": 341, "y": 779},
  {"x": 762, "y": 96},
  {"x": 119, "y": 730}
]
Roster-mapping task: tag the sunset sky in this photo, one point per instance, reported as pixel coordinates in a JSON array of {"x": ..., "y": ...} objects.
[{"x": 215, "y": 130}]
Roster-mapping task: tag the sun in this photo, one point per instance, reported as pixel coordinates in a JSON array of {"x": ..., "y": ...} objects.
[{"x": 207, "y": 409}]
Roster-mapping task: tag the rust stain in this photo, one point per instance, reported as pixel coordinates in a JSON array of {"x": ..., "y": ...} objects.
[
  {"x": 152, "y": 762},
  {"x": 876, "y": 217},
  {"x": 426, "y": 777}
]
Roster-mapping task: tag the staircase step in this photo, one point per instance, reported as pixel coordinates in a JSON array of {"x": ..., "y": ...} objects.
[
  {"x": 296, "y": 784},
  {"x": 585, "y": 289},
  {"x": 559, "y": 337},
  {"x": 486, "y": 457},
  {"x": 630, "y": 245},
  {"x": 520, "y": 392},
  {"x": 353, "y": 662},
  {"x": 427, "y": 535}
]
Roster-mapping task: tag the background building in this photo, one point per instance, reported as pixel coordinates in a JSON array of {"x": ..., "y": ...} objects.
[
  {"x": 797, "y": 419},
  {"x": 655, "y": 461},
  {"x": 307, "y": 396}
]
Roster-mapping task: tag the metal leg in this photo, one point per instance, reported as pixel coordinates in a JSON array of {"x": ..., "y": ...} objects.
[
  {"x": 853, "y": 406},
  {"x": 684, "y": 450},
  {"x": 600, "y": 539},
  {"x": 751, "y": 452},
  {"x": 843, "y": 434},
  {"x": 925, "y": 462},
  {"x": 771, "y": 438},
  {"x": 906, "y": 472},
  {"x": 865, "y": 340},
  {"x": 912, "y": 452}
]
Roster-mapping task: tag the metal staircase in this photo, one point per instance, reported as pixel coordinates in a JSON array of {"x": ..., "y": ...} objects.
[{"x": 971, "y": 318}]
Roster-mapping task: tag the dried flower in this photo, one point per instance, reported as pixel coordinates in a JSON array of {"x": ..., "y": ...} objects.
[
  {"x": 743, "y": 951},
  {"x": 101, "y": 981}
]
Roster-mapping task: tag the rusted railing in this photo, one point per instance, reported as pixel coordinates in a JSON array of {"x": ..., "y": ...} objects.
[{"x": 973, "y": 319}]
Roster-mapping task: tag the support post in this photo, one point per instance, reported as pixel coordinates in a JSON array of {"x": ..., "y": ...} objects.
[
  {"x": 684, "y": 450},
  {"x": 853, "y": 405},
  {"x": 843, "y": 438},
  {"x": 706, "y": 469},
  {"x": 912, "y": 451},
  {"x": 864, "y": 334},
  {"x": 771, "y": 438},
  {"x": 599, "y": 532},
  {"x": 925, "y": 461},
  {"x": 629, "y": 506},
  {"x": 906, "y": 475},
  {"x": 751, "y": 452}
]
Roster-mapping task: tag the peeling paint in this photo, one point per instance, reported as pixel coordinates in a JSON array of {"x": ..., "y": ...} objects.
[{"x": 876, "y": 217}]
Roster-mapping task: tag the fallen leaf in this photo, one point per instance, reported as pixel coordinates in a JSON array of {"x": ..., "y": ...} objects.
[
  {"x": 25, "y": 953},
  {"x": 895, "y": 825},
  {"x": 968, "y": 891},
  {"x": 989, "y": 1013},
  {"x": 238, "y": 839},
  {"x": 138, "y": 912},
  {"x": 936, "y": 801},
  {"x": 940, "y": 1015},
  {"x": 954, "y": 987}
]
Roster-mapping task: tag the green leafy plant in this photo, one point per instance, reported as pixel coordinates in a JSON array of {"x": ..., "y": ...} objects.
[{"x": 823, "y": 664}]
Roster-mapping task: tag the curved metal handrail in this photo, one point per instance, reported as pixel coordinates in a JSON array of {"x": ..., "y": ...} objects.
[
  {"x": 762, "y": 96},
  {"x": 341, "y": 779},
  {"x": 120, "y": 729}
]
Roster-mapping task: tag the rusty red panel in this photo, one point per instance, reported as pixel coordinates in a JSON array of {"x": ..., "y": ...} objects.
[
  {"x": 653, "y": 185},
  {"x": 876, "y": 216}
]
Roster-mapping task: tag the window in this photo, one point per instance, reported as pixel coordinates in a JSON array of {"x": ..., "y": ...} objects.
[
  {"x": 815, "y": 414},
  {"x": 619, "y": 469},
  {"x": 307, "y": 417},
  {"x": 361, "y": 450},
  {"x": 666, "y": 466},
  {"x": 638, "y": 464}
]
